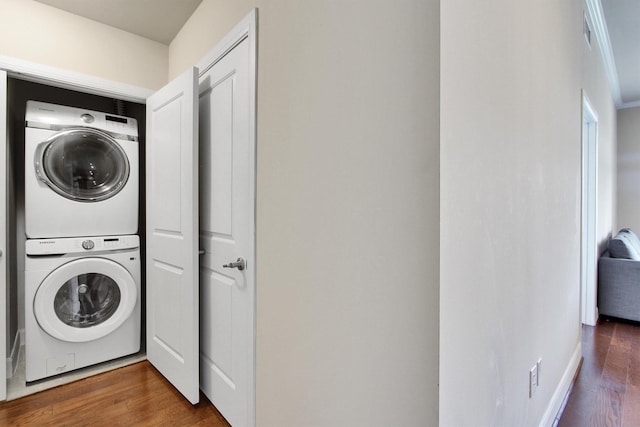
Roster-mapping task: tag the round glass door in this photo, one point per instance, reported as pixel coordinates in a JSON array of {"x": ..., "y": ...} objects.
[
  {"x": 85, "y": 299},
  {"x": 82, "y": 164}
]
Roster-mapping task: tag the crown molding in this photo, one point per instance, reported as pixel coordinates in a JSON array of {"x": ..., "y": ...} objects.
[
  {"x": 596, "y": 15},
  {"x": 632, "y": 104}
]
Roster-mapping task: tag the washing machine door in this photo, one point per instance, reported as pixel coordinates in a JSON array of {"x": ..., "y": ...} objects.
[
  {"x": 82, "y": 164},
  {"x": 85, "y": 299}
]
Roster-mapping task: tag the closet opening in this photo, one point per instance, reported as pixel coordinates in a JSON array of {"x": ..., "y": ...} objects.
[{"x": 18, "y": 93}]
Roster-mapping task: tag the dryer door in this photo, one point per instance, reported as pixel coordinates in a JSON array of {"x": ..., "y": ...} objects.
[
  {"x": 82, "y": 164},
  {"x": 85, "y": 299}
]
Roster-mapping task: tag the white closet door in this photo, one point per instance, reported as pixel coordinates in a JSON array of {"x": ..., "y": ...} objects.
[
  {"x": 3, "y": 233},
  {"x": 172, "y": 233},
  {"x": 227, "y": 234}
]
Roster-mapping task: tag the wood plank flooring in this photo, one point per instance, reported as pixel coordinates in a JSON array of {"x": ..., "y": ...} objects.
[
  {"x": 607, "y": 390},
  {"x": 136, "y": 395}
]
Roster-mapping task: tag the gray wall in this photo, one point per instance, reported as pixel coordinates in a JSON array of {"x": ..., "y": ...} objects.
[
  {"x": 348, "y": 213},
  {"x": 629, "y": 168}
]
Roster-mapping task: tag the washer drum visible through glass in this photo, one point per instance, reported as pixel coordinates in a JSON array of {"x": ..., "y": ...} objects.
[{"x": 82, "y": 164}]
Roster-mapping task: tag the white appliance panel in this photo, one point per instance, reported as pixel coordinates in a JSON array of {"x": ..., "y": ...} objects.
[
  {"x": 83, "y": 182},
  {"x": 72, "y": 318}
]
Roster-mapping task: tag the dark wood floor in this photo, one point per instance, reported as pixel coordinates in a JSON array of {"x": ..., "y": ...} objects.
[
  {"x": 607, "y": 390},
  {"x": 135, "y": 395}
]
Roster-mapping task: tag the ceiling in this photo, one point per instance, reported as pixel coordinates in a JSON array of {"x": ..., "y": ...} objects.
[
  {"x": 158, "y": 20},
  {"x": 622, "y": 18}
]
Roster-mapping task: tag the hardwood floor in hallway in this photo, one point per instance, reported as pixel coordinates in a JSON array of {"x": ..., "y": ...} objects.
[
  {"x": 136, "y": 395},
  {"x": 607, "y": 390}
]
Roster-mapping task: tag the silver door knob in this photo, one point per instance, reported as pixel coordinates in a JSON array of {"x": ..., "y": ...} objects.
[{"x": 239, "y": 264}]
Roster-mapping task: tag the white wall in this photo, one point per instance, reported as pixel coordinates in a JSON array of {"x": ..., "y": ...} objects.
[
  {"x": 39, "y": 33},
  {"x": 510, "y": 205},
  {"x": 348, "y": 212},
  {"x": 629, "y": 168}
]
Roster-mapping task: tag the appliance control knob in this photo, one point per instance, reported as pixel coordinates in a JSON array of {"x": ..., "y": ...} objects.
[
  {"x": 87, "y": 118},
  {"x": 88, "y": 244}
]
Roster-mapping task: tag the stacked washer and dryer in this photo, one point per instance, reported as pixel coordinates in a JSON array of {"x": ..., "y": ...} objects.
[{"x": 82, "y": 266}]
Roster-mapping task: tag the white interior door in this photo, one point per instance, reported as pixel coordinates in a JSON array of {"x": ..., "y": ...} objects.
[
  {"x": 3, "y": 233},
  {"x": 226, "y": 234},
  {"x": 172, "y": 230}
]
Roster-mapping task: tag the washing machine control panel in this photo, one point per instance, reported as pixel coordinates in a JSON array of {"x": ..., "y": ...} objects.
[{"x": 76, "y": 245}]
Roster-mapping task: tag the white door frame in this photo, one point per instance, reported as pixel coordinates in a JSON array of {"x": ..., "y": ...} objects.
[
  {"x": 31, "y": 71},
  {"x": 588, "y": 213},
  {"x": 3, "y": 234},
  {"x": 245, "y": 29},
  {"x": 34, "y": 72}
]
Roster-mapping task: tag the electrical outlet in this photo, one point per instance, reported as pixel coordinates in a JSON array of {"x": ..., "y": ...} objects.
[
  {"x": 533, "y": 380},
  {"x": 539, "y": 365}
]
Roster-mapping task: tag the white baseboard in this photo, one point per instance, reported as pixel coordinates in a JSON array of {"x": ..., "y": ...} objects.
[
  {"x": 561, "y": 391},
  {"x": 12, "y": 360}
]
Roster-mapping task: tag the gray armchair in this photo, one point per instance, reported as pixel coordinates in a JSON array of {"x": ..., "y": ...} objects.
[{"x": 619, "y": 277}]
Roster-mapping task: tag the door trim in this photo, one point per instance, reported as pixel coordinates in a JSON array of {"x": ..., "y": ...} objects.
[
  {"x": 245, "y": 29},
  {"x": 4, "y": 277},
  {"x": 588, "y": 212},
  {"x": 52, "y": 76},
  {"x": 57, "y": 77}
]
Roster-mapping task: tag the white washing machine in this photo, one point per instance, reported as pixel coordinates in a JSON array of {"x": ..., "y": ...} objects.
[
  {"x": 82, "y": 302},
  {"x": 81, "y": 172}
]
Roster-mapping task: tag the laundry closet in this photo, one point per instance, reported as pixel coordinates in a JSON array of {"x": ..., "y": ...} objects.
[
  {"x": 196, "y": 224},
  {"x": 55, "y": 219}
]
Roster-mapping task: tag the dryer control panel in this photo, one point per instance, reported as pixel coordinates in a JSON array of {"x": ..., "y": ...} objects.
[
  {"x": 58, "y": 117},
  {"x": 80, "y": 245}
]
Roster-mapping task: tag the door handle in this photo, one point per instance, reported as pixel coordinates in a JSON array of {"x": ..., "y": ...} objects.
[
  {"x": 201, "y": 252},
  {"x": 239, "y": 264}
]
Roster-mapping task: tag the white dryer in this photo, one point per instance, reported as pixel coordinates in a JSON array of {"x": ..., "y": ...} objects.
[
  {"x": 81, "y": 172},
  {"x": 82, "y": 302}
]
